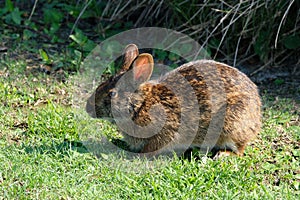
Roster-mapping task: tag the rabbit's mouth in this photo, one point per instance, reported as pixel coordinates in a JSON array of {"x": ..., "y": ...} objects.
[
  {"x": 94, "y": 111},
  {"x": 94, "y": 114}
]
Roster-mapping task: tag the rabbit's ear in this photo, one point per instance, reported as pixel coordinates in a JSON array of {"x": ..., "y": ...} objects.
[
  {"x": 130, "y": 53},
  {"x": 143, "y": 67}
]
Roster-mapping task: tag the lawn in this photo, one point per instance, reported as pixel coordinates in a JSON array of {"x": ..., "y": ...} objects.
[{"x": 43, "y": 153}]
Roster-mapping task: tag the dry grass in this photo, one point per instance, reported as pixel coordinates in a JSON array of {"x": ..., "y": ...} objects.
[{"x": 239, "y": 33}]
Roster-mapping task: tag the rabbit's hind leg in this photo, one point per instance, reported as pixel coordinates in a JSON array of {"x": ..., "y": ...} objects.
[{"x": 221, "y": 153}]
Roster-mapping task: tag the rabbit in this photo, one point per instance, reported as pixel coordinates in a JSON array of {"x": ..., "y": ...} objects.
[{"x": 228, "y": 106}]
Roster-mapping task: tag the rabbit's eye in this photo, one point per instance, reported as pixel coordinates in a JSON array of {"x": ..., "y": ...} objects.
[{"x": 112, "y": 94}]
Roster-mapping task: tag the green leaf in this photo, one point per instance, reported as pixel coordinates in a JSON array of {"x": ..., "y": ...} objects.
[
  {"x": 89, "y": 45},
  {"x": 16, "y": 16},
  {"x": 173, "y": 56},
  {"x": 9, "y": 5},
  {"x": 279, "y": 81},
  {"x": 78, "y": 54},
  {"x": 292, "y": 42},
  {"x": 79, "y": 37},
  {"x": 54, "y": 28},
  {"x": 44, "y": 55},
  {"x": 27, "y": 34},
  {"x": 160, "y": 54},
  {"x": 260, "y": 45},
  {"x": 52, "y": 16}
]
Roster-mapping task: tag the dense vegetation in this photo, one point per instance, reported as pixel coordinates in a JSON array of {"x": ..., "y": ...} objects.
[{"x": 246, "y": 32}]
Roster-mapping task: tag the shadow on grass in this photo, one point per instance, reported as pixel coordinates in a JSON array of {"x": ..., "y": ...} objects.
[
  {"x": 63, "y": 147},
  {"x": 100, "y": 148},
  {"x": 103, "y": 148},
  {"x": 120, "y": 147}
]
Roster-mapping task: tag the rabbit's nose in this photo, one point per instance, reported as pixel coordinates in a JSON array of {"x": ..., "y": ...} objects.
[{"x": 91, "y": 111}]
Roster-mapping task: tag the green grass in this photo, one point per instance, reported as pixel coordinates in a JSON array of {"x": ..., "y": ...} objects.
[{"x": 42, "y": 156}]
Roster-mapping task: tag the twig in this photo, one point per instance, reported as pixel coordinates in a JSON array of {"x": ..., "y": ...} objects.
[
  {"x": 80, "y": 14},
  {"x": 281, "y": 22},
  {"x": 33, "y": 9}
]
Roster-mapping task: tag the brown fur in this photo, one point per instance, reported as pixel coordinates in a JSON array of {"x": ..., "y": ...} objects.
[{"x": 216, "y": 86}]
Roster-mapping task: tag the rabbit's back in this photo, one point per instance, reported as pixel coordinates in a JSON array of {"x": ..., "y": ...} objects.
[{"x": 228, "y": 102}]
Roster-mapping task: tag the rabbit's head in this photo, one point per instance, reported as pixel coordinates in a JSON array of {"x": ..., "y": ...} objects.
[{"x": 139, "y": 66}]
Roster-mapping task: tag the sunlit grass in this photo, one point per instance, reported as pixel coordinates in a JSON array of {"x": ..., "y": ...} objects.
[{"x": 43, "y": 156}]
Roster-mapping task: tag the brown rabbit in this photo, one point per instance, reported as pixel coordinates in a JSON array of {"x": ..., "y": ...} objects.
[{"x": 203, "y": 104}]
